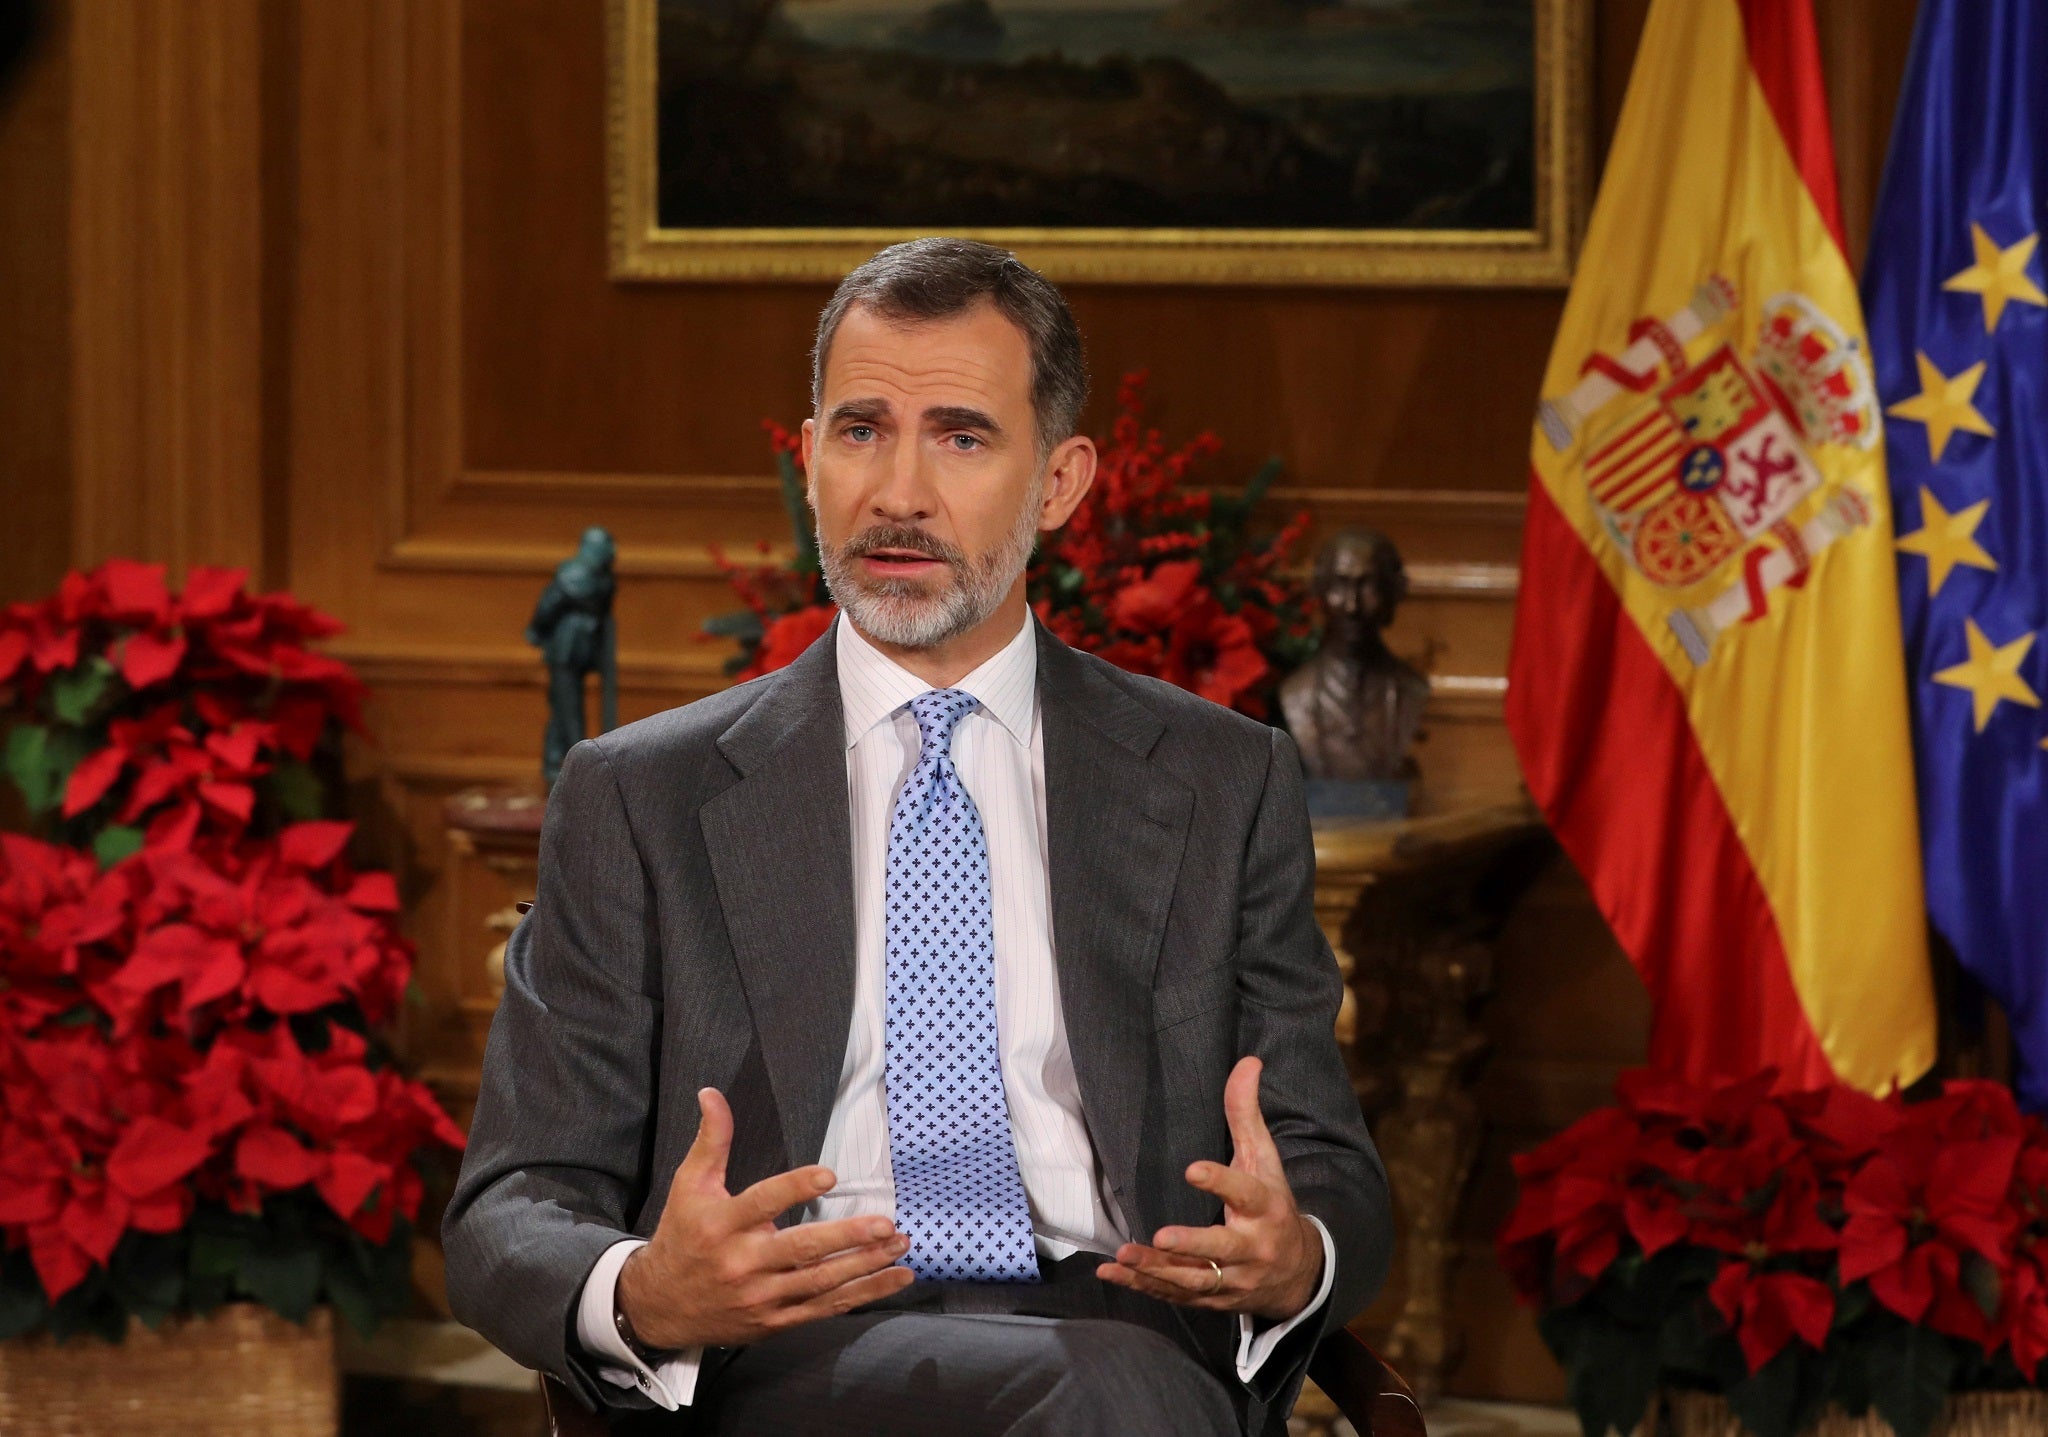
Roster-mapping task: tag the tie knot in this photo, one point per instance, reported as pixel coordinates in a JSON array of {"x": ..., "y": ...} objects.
[{"x": 937, "y": 712}]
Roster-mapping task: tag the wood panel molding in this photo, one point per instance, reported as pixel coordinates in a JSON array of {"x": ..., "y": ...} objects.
[{"x": 433, "y": 554}]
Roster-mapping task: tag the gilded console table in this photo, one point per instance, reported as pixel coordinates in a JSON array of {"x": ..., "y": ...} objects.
[
  {"x": 493, "y": 864},
  {"x": 1411, "y": 910}
]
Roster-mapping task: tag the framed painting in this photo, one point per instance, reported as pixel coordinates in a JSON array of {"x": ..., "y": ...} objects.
[{"x": 1419, "y": 142}]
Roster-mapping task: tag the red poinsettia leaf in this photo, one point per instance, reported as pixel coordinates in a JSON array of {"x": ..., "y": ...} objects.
[
  {"x": 297, "y": 720},
  {"x": 14, "y": 649},
  {"x": 95, "y": 1220},
  {"x": 161, "y": 956},
  {"x": 152, "y": 1154},
  {"x": 174, "y": 827},
  {"x": 347, "y": 1180},
  {"x": 341, "y": 1095},
  {"x": 92, "y": 778},
  {"x": 1871, "y": 1242},
  {"x": 373, "y": 893},
  {"x": 135, "y": 590},
  {"x": 1156, "y": 600},
  {"x": 29, "y": 1200},
  {"x": 59, "y": 1262},
  {"x": 788, "y": 636},
  {"x": 214, "y": 971},
  {"x": 1907, "y": 1287},
  {"x": 374, "y": 1219},
  {"x": 235, "y": 799},
  {"x": 236, "y": 750},
  {"x": 1808, "y": 1303},
  {"x": 440, "y": 1126},
  {"x": 314, "y": 844},
  {"x": 210, "y": 591},
  {"x": 271, "y": 1156},
  {"x": 1727, "y": 1290},
  {"x": 282, "y": 991},
  {"x": 1655, "y": 1222},
  {"x": 166, "y": 1211},
  {"x": 150, "y": 658}
]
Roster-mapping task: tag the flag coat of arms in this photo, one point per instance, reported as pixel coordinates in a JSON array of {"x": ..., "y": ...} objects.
[{"x": 1706, "y": 689}]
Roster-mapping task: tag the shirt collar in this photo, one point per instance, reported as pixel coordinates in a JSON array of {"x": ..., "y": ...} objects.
[{"x": 872, "y": 686}]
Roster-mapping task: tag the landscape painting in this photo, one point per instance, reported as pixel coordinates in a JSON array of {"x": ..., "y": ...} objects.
[{"x": 1224, "y": 140}]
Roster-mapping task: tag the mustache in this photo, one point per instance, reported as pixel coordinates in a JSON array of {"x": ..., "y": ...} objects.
[{"x": 905, "y": 537}]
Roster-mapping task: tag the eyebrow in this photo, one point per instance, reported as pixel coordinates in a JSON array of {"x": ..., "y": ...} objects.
[
  {"x": 944, "y": 416},
  {"x": 857, "y": 411},
  {"x": 959, "y": 416}
]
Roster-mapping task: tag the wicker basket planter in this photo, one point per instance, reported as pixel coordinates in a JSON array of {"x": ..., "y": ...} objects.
[
  {"x": 1969, "y": 1414},
  {"x": 242, "y": 1372}
]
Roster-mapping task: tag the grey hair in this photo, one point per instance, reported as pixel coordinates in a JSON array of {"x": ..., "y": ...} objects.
[{"x": 937, "y": 278}]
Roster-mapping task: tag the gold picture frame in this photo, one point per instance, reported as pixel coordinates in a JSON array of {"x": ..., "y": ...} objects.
[{"x": 1533, "y": 258}]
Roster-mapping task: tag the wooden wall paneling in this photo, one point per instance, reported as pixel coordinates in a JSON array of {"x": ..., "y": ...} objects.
[
  {"x": 166, "y": 245},
  {"x": 35, "y": 398}
]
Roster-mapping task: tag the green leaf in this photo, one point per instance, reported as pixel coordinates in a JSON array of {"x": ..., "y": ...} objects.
[
  {"x": 742, "y": 624},
  {"x": 1255, "y": 491},
  {"x": 75, "y": 692},
  {"x": 217, "y": 1253},
  {"x": 1612, "y": 1366},
  {"x": 1980, "y": 1280},
  {"x": 28, "y": 765},
  {"x": 296, "y": 790},
  {"x": 22, "y": 1305},
  {"x": 282, "y": 1275},
  {"x": 348, "y": 1288},
  {"x": 40, "y": 760},
  {"x": 85, "y": 1308},
  {"x": 1767, "y": 1399},
  {"x": 111, "y": 845},
  {"x": 1910, "y": 1369},
  {"x": 148, "y": 1275},
  {"x": 799, "y": 510}
]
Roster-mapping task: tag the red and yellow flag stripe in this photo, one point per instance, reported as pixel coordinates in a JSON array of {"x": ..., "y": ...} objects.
[{"x": 1706, "y": 688}]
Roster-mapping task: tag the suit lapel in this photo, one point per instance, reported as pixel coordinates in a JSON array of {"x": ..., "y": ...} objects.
[
  {"x": 782, "y": 858},
  {"x": 1116, "y": 826}
]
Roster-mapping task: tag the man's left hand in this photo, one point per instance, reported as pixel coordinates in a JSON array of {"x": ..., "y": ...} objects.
[{"x": 1264, "y": 1259}]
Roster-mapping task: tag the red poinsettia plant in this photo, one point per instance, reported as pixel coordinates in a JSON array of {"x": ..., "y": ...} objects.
[
  {"x": 194, "y": 1104},
  {"x": 1157, "y": 576},
  {"x": 1788, "y": 1249}
]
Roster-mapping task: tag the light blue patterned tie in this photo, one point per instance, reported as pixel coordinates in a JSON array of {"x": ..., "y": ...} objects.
[{"x": 959, "y": 1194}]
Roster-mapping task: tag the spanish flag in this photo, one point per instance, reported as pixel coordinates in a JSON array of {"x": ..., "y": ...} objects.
[{"x": 1706, "y": 688}]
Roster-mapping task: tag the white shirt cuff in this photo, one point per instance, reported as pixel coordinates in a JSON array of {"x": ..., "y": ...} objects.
[
  {"x": 671, "y": 1385},
  {"x": 1253, "y": 1350}
]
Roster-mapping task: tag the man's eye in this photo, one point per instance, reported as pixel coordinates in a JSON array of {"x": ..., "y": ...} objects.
[
  {"x": 965, "y": 443},
  {"x": 860, "y": 433}
]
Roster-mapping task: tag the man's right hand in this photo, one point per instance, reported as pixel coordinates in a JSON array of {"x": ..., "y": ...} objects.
[{"x": 719, "y": 1273}]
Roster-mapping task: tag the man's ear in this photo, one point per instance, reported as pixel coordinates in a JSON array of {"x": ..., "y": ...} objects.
[
  {"x": 806, "y": 437},
  {"x": 1070, "y": 473}
]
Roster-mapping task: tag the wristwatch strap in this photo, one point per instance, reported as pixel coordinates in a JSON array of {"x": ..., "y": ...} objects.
[{"x": 634, "y": 1345}]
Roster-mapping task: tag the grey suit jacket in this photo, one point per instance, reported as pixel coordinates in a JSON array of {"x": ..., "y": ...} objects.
[{"x": 694, "y": 926}]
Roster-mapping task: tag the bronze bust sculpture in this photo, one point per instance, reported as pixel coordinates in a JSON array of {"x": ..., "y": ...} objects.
[
  {"x": 573, "y": 628},
  {"x": 1355, "y": 708}
]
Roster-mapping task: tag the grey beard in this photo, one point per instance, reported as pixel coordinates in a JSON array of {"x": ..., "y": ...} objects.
[{"x": 900, "y": 612}]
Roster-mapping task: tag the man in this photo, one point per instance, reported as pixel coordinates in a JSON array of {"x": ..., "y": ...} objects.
[{"x": 935, "y": 1035}]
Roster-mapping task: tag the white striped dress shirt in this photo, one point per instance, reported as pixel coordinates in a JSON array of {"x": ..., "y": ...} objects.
[{"x": 1000, "y": 754}]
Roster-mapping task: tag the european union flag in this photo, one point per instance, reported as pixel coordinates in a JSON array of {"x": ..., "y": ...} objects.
[{"x": 1959, "y": 341}]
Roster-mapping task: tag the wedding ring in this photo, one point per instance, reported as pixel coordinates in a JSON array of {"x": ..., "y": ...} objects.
[{"x": 1217, "y": 1284}]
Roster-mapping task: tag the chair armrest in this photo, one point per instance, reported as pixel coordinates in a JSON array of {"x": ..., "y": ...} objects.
[
  {"x": 1366, "y": 1390},
  {"x": 566, "y": 1417}
]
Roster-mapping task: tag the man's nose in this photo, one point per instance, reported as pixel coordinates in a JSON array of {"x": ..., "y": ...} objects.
[{"x": 905, "y": 495}]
